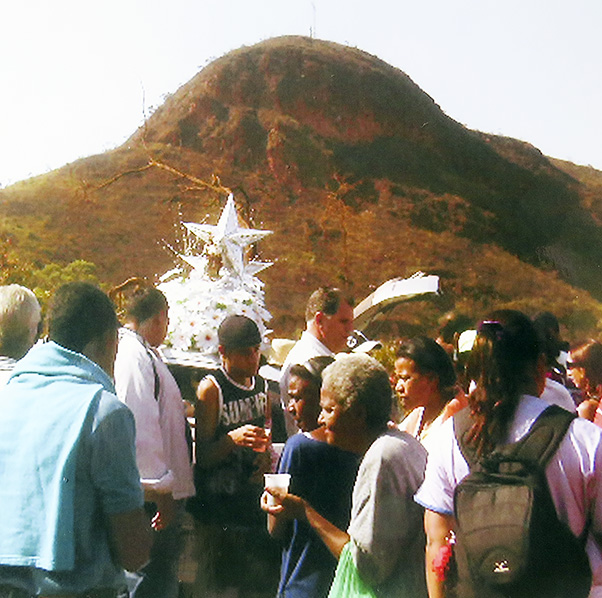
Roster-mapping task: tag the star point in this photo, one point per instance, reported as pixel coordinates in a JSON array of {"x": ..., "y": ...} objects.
[{"x": 228, "y": 236}]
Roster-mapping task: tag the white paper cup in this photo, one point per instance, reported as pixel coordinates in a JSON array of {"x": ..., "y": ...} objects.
[{"x": 276, "y": 480}]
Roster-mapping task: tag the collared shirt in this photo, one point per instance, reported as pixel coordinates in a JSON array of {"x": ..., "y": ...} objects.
[{"x": 162, "y": 452}]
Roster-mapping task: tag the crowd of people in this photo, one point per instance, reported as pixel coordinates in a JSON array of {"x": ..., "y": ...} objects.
[{"x": 390, "y": 470}]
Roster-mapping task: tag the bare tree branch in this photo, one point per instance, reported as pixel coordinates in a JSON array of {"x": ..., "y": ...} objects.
[{"x": 116, "y": 178}]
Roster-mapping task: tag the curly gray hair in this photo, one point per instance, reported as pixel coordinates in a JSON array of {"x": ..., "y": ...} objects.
[{"x": 358, "y": 379}]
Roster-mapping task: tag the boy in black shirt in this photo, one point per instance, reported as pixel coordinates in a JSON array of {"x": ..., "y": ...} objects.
[{"x": 231, "y": 458}]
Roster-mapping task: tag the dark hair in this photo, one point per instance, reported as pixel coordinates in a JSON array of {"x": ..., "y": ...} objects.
[
  {"x": 312, "y": 369},
  {"x": 80, "y": 313},
  {"x": 302, "y": 372},
  {"x": 431, "y": 358},
  {"x": 453, "y": 323},
  {"x": 137, "y": 299},
  {"x": 548, "y": 328},
  {"x": 145, "y": 303},
  {"x": 502, "y": 364},
  {"x": 325, "y": 299},
  {"x": 588, "y": 355}
]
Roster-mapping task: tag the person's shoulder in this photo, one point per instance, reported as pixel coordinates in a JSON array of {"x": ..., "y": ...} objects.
[
  {"x": 129, "y": 340},
  {"x": 411, "y": 422},
  {"x": 556, "y": 394},
  {"x": 109, "y": 413},
  {"x": 108, "y": 403},
  {"x": 298, "y": 440},
  {"x": 396, "y": 445},
  {"x": 580, "y": 450},
  {"x": 396, "y": 437},
  {"x": 555, "y": 385},
  {"x": 210, "y": 383},
  {"x": 585, "y": 433},
  {"x": 305, "y": 348},
  {"x": 129, "y": 349},
  {"x": 292, "y": 357},
  {"x": 295, "y": 447},
  {"x": 260, "y": 383},
  {"x": 311, "y": 448}
]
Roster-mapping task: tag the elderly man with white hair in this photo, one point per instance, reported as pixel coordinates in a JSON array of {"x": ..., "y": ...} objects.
[{"x": 19, "y": 325}]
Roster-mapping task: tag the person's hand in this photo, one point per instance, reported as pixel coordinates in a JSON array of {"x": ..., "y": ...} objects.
[
  {"x": 165, "y": 511},
  {"x": 157, "y": 522},
  {"x": 288, "y": 506},
  {"x": 250, "y": 436}
]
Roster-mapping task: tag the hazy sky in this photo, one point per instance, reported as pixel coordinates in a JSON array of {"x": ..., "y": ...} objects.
[{"x": 77, "y": 77}]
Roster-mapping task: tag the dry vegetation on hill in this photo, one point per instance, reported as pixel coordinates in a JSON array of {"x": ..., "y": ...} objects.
[{"x": 356, "y": 170}]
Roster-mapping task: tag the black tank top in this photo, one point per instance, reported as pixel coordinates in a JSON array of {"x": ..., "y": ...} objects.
[
  {"x": 229, "y": 492},
  {"x": 240, "y": 406}
]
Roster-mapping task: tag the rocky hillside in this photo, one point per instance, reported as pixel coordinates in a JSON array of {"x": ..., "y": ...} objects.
[{"x": 357, "y": 171}]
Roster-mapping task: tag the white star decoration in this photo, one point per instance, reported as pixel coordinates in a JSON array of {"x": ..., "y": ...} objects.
[
  {"x": 216, "y": 282},
  {"x": 230, "y": 238}
]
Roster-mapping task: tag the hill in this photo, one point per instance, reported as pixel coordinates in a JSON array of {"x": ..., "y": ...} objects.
[{"x": 357, "y": 171}]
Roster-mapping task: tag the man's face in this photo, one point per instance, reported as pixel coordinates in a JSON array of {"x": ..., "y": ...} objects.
[
  {"x": 336, "y": 328},
  {"x": 304, "y": 403},
  {"x": 158, "y": 331},
  {"x": 242, "y": 362}
]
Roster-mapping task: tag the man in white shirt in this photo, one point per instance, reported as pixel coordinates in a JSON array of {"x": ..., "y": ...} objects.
[
  {"x": 145, "y": 384},
  {"x": 329, "y": 322}
]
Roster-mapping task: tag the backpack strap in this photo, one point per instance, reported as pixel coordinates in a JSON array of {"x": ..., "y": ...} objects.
[
  {"x": 462, "y": 424},
  {"x": 538, "y": 445},
  {"x": 544, "y": 437},
  {"x": 541, "y": 442}
]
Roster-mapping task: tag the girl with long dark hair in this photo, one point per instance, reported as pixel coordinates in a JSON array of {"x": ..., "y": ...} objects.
[{"x": 508, "y": 371}]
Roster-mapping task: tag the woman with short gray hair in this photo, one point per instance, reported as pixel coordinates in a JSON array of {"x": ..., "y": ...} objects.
[
  {"x": 361, "y": 380},
  {"x": 384, "y": 541}
]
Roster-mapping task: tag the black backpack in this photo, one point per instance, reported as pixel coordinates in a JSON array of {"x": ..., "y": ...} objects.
[{"x": 509, "y": 540}]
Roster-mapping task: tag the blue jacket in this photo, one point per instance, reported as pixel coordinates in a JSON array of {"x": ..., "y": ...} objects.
[{"x": 43, "y": 410}]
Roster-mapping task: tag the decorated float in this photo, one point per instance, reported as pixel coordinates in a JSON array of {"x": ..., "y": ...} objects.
[{"x": 213, "y": 277}]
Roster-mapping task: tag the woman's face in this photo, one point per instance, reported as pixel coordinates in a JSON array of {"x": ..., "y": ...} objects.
[
  {"x": 414, "y": 389},
  {"x": 303, "y": 403},
  {"x": 342, "y": 426},
  {"x": 577, "y": 375}
]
